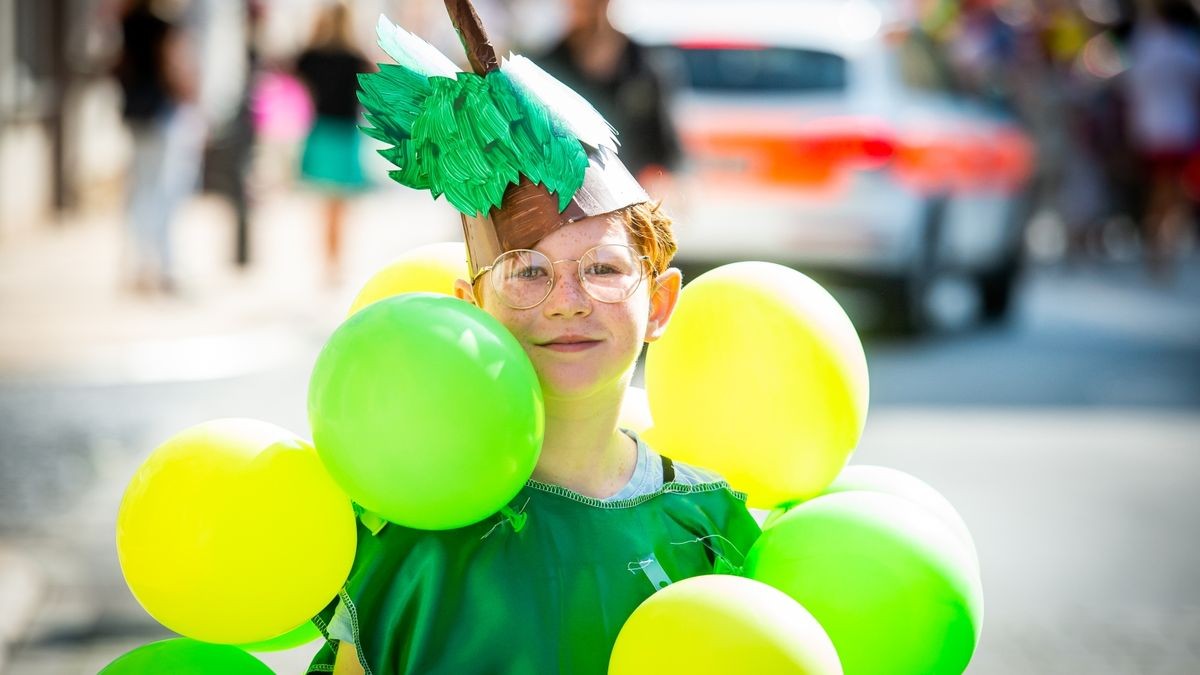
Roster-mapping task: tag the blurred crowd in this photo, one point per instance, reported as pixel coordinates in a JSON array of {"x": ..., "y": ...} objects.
[{"x": 1109, "y": 89}]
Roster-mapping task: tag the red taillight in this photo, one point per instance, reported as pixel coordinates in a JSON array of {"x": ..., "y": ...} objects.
[
  {"x": 815, "y": 155},
  {"x": 964, "y": 159},
  {"x": 878, "y": 149},
  {"x": 819, "y": 154},
  {"x": 847, "y": 142}
]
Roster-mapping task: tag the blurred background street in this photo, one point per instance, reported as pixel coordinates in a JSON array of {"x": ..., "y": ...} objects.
[{"x": 1044, "y": 375}]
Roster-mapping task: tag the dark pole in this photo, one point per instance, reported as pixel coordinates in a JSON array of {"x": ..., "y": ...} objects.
[
  {"x": 474, "y": 38},
  {"x": 241, "y": 255},
  {"x": 57, "y": 118}
]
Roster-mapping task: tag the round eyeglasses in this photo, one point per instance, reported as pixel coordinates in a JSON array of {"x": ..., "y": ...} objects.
[{"x": 523, "y": 278}]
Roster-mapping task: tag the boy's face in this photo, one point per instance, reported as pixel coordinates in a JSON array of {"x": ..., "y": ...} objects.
[{"x": 579, "y": 345}]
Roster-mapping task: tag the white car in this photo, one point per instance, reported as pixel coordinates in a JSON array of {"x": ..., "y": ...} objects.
[{"x": 817, "y": 135}]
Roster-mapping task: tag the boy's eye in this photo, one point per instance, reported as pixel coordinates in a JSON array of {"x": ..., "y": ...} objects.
[
  {"x": 601, "y": 269},
  {"x": 529, "y": 272}
]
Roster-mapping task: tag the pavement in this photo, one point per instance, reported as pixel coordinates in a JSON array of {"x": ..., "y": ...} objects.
[{"x": 69, "y": 315}]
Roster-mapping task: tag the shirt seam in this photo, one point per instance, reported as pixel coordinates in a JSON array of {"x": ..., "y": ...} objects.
[
  {"x": 667, "y": 488},
  {"x": 358, "y": 648}
]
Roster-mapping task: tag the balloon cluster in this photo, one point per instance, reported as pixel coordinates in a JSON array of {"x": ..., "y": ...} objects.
[
  {"x": 425, "y": 411},
  {"x": 234, "y": 533},
  {"x": 861, "y": 570}
]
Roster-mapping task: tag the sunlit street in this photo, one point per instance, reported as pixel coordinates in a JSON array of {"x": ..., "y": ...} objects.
[{"x": 975, "y": 182}]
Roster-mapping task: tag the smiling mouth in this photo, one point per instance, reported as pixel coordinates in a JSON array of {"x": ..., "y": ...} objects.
[{"x": 570, "y": 344}]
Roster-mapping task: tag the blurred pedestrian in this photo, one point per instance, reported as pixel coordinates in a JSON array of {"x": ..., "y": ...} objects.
[
  {"x": 1125, "y": 184},
  {"x": 982, "y": 50},
  {"x": 231, "y": 142},
  {"x": 158, "y": 81},
  {"x": 330, "y": 161},
  {"x": 1163, "y": 85},
  {"x": 615, "y": 75},
  {"x": 1089, "y": 195}
]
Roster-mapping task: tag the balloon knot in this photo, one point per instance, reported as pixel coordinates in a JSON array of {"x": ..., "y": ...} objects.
[
  {"x": 515, "y": 518},
  {"x": 507, "y": 515}
]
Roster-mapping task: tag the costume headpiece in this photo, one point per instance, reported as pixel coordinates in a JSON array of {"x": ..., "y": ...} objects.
[{"x": 517, "y": 152}]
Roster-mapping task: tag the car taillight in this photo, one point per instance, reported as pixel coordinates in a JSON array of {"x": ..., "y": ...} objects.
[
  {"x": 1015, "y": 157},
  {"x": 878, "y": 149},
  {"x": 821, "y": 153},
  {"x": 847, "y": 143},
  {"x": 964, "y": 159},
  {"x": 815, "y": 155}
]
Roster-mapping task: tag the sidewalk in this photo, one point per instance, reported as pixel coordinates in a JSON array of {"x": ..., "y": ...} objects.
[{"x": 67, "y": 315}]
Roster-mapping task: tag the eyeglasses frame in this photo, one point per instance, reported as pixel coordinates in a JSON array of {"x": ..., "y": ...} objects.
[{"x": 644, "y": 259}]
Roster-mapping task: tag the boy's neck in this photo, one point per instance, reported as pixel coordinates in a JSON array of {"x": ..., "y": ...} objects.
[{"x": 583, "y": 450}]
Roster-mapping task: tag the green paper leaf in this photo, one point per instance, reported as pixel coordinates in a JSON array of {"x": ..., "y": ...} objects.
[{"x": 469, "y": 137}]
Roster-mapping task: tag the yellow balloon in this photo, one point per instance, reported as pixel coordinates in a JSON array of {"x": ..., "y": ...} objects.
[
  {"x": 722, "y": 624},
  {"x": 432, "y": 268},
  {"x": 232, "y": 532},
  {"x": 761, "y": 377}
]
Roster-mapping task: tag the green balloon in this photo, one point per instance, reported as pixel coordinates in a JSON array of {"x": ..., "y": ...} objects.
[
  {"x": 861, "y": 477},
  {"x": 891, "y": 584},
  {"x": 184, "y": 656},
  {"x": 866, "y": 478},
  {"x": 427, "y": 411},
  {"x": 300, "y": 635}
]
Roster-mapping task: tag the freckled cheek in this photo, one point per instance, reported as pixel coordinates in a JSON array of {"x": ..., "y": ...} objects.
[
  {"x": 630, "y": 331},
  {"x": 524, "y": 337},
  {"x": 515, "y": 325}
]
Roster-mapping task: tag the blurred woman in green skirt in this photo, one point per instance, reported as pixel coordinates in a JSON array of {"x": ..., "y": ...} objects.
[{"x": 331, "y": 159}]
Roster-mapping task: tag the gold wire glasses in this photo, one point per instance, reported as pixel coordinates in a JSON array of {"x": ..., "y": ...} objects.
[{"x": 523, "y": 278}]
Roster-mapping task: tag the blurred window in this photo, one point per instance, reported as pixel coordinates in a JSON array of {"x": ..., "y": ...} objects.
[{"x": 754, "y": 70}]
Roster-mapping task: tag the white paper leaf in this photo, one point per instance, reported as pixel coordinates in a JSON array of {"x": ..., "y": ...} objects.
[
  {"x": 570, "y": 109},
  {"x": 412, "y": 52}
]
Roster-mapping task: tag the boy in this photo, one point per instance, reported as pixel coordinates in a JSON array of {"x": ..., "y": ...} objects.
[{"x": 605, "y": 521}]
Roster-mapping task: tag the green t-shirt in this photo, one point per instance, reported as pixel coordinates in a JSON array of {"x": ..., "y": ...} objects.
[{"x": 544, "y": 592}]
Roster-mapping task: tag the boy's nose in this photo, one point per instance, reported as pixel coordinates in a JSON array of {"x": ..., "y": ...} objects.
[{"x": 567, "y": 297}]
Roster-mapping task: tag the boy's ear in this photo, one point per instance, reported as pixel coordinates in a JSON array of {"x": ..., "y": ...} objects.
[
  {"x": 663, "y": 297},
  {"x": 464, "y": 291}
]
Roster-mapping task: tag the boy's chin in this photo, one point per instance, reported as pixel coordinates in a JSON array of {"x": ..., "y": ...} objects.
[
  {"x": 567, "y": 391},
  {"x": 558, "y": 387}
]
